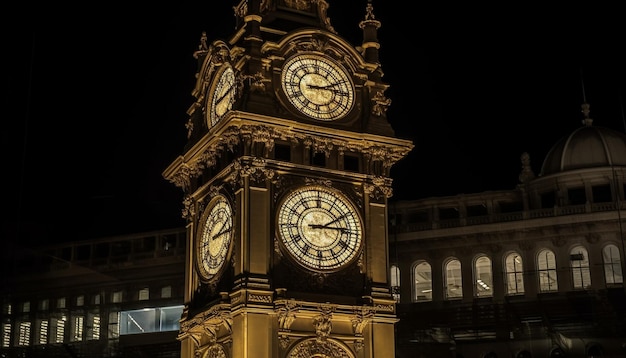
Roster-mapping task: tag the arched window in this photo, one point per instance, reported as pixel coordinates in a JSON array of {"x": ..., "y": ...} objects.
[
  {"x": 513, "y": 274},
  {"x": 546, "y": 267},
  {"x": 483, "y": 277},
  {"x": 423, "y": 284},
  {"x": 395, "y": 282},
  {"x": 612, "y": 265},
  {"x": 579, "y": 263},
  {"x": 453, "y": 281}
]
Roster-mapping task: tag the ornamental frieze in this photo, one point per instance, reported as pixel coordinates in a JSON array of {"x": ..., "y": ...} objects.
[{"x": 379, "y": 157}]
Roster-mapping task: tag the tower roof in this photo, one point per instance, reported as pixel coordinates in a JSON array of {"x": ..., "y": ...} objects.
[{"x": 586, "y": 147}]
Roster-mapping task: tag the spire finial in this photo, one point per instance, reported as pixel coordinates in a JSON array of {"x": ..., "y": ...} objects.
[{"x": 585, "y": 106}]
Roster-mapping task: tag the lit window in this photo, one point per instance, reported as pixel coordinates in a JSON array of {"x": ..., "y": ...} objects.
[
  {"x": 77, "y": 328},
  {"x": 423, "y": 283},
  {"x": 150, "y": 320},
  {"x": 24, "y": 334},
  {"x": 43, "y": 331},
  {"x": 612, "y": 265},
  {"x": 44, "y": 305},
  {"x": 166, "y": 292},
  {"x": 453, "y": 279},
  {"x": 58, "y": 329},
  {"x": 95, "y": 327},
  {"x": 546, "y": 267},
  {"x": 61, "y": 302},
  {"x": 114, "y": 326},
  {"x": 395, "y": 282},
  {"x": 80, "y": 300},
  {"x": 6, "y": 335},
  {"x": 7, "y": 308},
  {"x": 483, "y": 278},
  {"x": 514, "y": 270},
  {"x": 96, "y": 299},
  {"x": 26, "y": 307},
  {"x": 116, "y": 297},
  {"x": 144, "y": 294},
  {"x": 579, "y": 263}
]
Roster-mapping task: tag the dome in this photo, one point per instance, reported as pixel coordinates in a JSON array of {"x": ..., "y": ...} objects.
[{"x": 586, "y": 147}]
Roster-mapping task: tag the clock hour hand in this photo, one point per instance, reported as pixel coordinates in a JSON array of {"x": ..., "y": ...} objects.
[
  {"x": 222, "y": 231},
  {"x": 318, "y": 226}
]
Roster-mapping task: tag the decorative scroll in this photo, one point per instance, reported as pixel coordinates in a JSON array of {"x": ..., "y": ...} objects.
[{"x": 361, "y": 318}]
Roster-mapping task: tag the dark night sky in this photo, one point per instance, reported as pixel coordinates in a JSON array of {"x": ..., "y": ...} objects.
[{"x": 97, "y": 101}]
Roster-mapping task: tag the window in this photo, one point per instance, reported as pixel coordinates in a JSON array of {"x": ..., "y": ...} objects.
[
  {"x": 395, "y": 282},
  {"x": 94, "y": 331},
  {"x": 150, "y": 320},
  {"x": 453, "y": 281},
  {"x": 44, "y": 305},
  {"x": 318, "y": 158},
  {"x": 96, "y": 299},
  {"x": 57, "y": 333},
  {"x": 24, "y": 334},
  {"x": 114, "y": 326},
  {"x": 80, "y": 300},
  {"x": 601, "y": 194},
  {"x": 513, "y": 271},
  {"x": 579, "y": 263},
  {"x": 26, "y": 307},
  {"x": 166, "y": 292},
  {"x": 144, "y": 294},
  {"x": 116, "y": 297},
  {"x": 546, "y": 267},
  {"x": 423, "y": 284},
  {"x": 6, "y": 335},
  {"x": 43, "y": 331},
  {"x": 576, "y": 196},
  {"x": 78, "y": 325},
  {"x": 483, "y": 279},
  {"x": 61, "y": 302},
  {"x": 612, "y": 265}
]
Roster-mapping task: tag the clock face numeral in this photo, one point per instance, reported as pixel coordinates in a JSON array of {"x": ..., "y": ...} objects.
[
  {"x": 318, "y": 87},
  {"x": 320, "y": 228},
  {"x": 223, "y": 95},
  {"x": 215, "y": 237}
]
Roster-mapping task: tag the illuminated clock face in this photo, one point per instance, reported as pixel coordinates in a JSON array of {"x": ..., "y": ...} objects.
[
  {"x": 320, "y": 228},
  {"x": 222, "y": 94},
  {"x": 215, "y": 237},
  {"x": 318, "y": 87}
]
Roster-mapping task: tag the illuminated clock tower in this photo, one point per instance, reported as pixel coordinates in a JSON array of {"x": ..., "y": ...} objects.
[{"x": 286, "y": 181}]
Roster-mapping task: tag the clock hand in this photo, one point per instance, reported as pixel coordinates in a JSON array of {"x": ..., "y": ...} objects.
[
  {"x": 224, "y": 229},
  {"x": 334, "y": 220}
]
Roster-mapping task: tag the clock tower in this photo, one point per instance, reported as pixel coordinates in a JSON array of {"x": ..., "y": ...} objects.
[{"x": 286, "y": 180}]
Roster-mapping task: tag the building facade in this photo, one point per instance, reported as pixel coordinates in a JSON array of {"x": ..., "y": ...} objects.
[
  {"x": 536, "y": 271},
  {"x": 109, "y": 297}
]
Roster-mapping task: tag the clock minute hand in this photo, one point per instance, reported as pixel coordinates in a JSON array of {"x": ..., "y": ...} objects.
[{"x": 222, "y": 231}]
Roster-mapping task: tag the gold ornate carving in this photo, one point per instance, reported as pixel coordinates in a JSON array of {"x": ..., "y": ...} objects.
[
  {"x": 380, "y": 188},
  {"x": 205, "y": 326},
  {"x": 381, "y": 104},
  {"x": 302, "y": 5},
  {"x": 361, "y": 318},
  {"x": 323, "y": 321},
  {"x": 312, "y": 348},
  {"x": 286, "y": 311}
]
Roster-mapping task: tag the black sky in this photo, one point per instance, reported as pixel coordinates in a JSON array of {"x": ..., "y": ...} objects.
[{"x": 97, "y": 97}]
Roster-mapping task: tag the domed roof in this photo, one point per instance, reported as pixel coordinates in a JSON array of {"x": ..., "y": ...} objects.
[{"x": 586, "y": 147}]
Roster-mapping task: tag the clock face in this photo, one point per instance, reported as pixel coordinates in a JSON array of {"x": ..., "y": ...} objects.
[
  {"x": 222, "y": 95},
  {"x": 215, "y": 237},
  {"x": 318, "y": 87},
  {"x": 320, "y": 228}
]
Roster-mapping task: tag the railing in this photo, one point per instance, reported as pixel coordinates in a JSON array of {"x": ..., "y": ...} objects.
[{"x": 507, "y": 217}]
